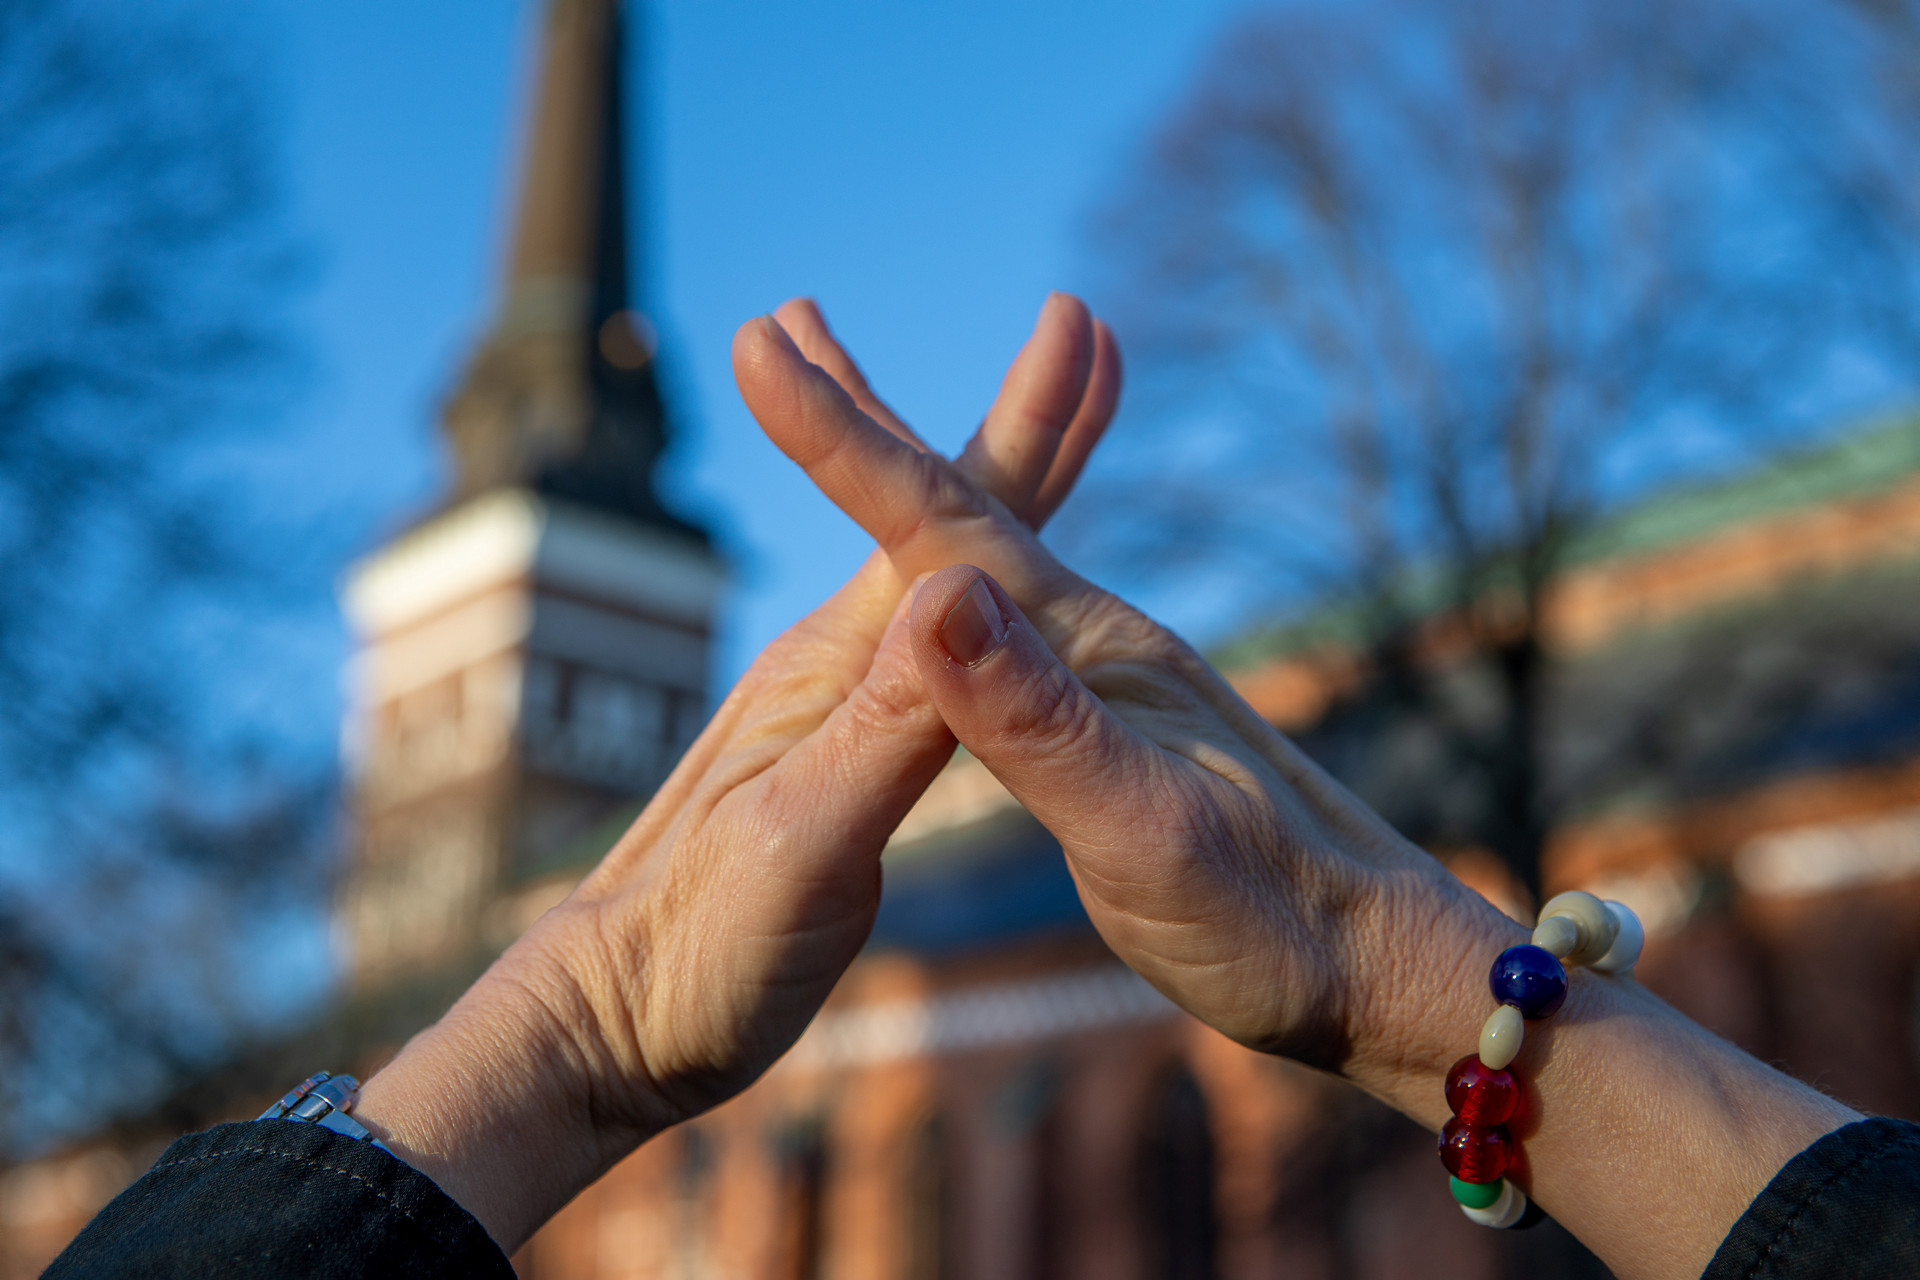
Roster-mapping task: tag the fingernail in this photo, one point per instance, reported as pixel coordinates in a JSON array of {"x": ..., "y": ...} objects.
[
  {"x": 775, "y": 330},
  {"x": 973, "y": 628}
]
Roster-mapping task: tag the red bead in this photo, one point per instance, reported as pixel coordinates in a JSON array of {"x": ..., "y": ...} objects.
[
  {"x": 1475, "y": 1154},
  {"x": 1482, "y": 1095}
]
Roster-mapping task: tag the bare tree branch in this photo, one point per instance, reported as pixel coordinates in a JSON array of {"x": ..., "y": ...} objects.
[
  {"x": 143, "y": 817},
  {"x": 1459, "y": 278}
]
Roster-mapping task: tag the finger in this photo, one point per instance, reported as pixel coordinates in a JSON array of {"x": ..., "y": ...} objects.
[
  {"x": 787, "y": 693},
  {"x": 1012, "y": 703},
  {"x": 888, "y": 487},
  {"x": 1014, "y": 449},
  {"x": 795, "y": 882},
  {"x": 807, "y": 326},
  {"x": 1083, "y": 433},
  {"x": 871, "y": 758}
]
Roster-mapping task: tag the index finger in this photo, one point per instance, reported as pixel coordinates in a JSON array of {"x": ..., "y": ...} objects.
[
  {"x": 887, "y": 486},
  {"x": 921, "y": 510},
  {"x": 806, "y": 324}
]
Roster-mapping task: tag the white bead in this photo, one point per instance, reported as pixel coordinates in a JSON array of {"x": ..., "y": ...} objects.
[
  {"x": 1501, "y": 1036},
  {"x": 1625, "y": 951},
  {"x": 1597, "y": 925},
  {"x": 1502, "y": 1213},
  {"x": 1558, "y": 935}
]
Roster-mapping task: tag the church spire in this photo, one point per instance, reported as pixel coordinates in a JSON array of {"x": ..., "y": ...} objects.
[
  {"x": 533, "y": 657},
  {"x": 569, "y": 227},
  {"x": 561, "y": 395}
]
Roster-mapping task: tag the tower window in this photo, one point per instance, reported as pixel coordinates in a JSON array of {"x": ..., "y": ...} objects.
[
  {"x": 1178, "y": 1218},
  {"x": 930, "y": 1221},
  {"x": 802, "y": 1154}
]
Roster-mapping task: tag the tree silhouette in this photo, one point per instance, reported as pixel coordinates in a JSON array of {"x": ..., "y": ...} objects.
[
  {"x": 1420, "y": 291},
  {"x": 143, "y": 346}
]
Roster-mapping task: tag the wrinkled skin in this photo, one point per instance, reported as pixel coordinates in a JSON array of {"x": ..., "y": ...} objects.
[
  {"x": 754, "y": 877},
  {"x": 699, "y": 949},
  {"x": 1213, "y": 857}
]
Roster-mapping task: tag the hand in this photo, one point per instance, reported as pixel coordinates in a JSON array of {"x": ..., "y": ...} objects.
[
  {"x": 697, "y": 952},
  {"x": 1210, "y": 853},
  {"x": 1249, "y": 887}
]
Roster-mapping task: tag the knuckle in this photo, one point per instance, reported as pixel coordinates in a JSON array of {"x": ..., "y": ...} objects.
[
  {"x": 886, "y": 700},
  {"x": 1049, "y": 707},
  {"x": 1131, "y": 661}
]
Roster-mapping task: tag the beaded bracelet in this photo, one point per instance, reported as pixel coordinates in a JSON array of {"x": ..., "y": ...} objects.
[{"x": 1529, "y": 983}]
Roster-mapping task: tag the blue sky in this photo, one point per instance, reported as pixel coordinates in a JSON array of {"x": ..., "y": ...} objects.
[{"x": 924, "y": 169}]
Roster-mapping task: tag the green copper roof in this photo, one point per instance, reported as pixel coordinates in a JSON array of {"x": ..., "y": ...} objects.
[{"x": 1875, "y": 457}]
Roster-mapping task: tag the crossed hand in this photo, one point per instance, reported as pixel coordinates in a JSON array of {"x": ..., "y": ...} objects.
[{"x": 1211, "y": 855}]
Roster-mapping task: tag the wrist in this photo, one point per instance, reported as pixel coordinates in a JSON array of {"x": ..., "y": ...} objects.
[
  {"x": 1420, "y": 992},
  {"x": 497, "y": 1102},
  {"x": 1637, "y": 1127}
]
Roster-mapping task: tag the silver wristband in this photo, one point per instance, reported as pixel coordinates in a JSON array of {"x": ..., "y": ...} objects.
[{"x": 325, "y": 1099}]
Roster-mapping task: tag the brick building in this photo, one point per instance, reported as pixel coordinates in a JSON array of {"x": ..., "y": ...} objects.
[
  {"x": 990, "y": 1094},
  {"x": 1735, "y": 719}
]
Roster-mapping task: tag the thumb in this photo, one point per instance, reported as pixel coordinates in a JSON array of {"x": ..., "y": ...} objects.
[{"x": 1020, "y": 711}]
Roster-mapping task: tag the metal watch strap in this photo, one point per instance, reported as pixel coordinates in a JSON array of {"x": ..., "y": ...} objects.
[{"x": 324, "y": 1099}]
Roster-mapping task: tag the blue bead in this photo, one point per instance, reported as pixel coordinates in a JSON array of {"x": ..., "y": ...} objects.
[{"x": 1530, "y": 979}]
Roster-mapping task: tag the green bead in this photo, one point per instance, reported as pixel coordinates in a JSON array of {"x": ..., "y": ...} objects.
[{"x": 1476, "y": 1195}]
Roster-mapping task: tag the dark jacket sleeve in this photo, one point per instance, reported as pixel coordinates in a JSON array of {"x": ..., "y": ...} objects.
[
  {"x": 275, "y": 1198},
  {"x": 1849, "y": 1205}
]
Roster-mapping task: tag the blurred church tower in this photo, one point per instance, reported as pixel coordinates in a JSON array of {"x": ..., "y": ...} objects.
[{"x": 533, "y": 656}]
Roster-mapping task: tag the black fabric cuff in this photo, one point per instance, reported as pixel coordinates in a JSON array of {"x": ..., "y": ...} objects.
[
  {"x": 276, "y": 1198},
  {"x": 1849, "y": 1205}
]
